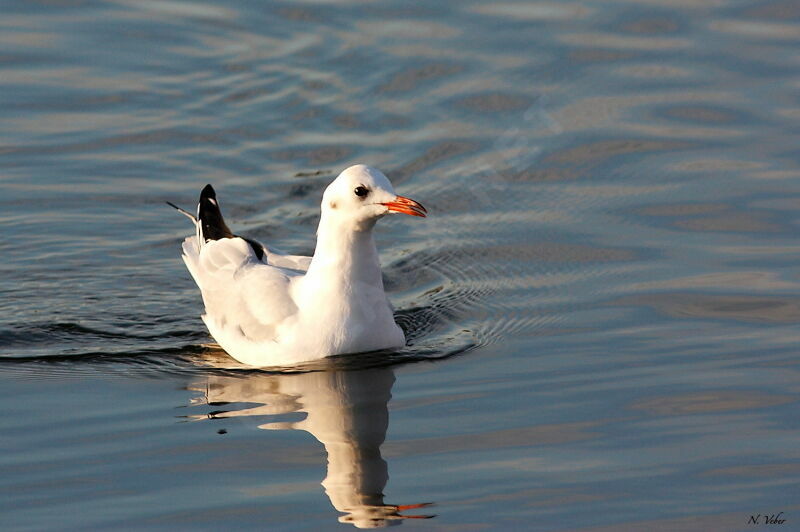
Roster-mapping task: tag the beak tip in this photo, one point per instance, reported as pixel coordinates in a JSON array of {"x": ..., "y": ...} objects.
[{"x": 407, "y": 206}]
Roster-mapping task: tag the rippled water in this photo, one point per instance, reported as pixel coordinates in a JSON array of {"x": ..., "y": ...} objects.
[{"x": 602, "y": 308}]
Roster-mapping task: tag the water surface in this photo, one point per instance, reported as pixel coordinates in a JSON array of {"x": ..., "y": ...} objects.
[{"x": 602, "y": 307}]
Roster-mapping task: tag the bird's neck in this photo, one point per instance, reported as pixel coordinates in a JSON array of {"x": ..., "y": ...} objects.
[{"x": 345, "y": 254}]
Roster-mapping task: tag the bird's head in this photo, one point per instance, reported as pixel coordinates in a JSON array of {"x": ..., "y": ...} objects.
[{"x": 361, "y": 195}]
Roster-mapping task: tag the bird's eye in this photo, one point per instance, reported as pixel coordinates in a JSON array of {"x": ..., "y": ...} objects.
[{"x": 361, "y": 191}]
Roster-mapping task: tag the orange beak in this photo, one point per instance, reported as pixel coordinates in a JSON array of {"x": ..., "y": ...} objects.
[{"x": 406, "y": 206}]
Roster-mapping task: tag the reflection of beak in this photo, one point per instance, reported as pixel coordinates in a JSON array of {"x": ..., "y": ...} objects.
[
  {"x": 406, "y": 206},
  {"x": 412, "y": 507}
]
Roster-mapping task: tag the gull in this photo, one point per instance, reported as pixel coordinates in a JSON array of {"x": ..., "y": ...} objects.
[{"x": 267, "y": 308}]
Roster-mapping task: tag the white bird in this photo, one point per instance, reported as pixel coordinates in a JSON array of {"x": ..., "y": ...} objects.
[{"x": 266, "y": 308}]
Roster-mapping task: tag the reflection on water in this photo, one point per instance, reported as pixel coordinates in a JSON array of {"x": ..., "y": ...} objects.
[
  {"x": 608, "y": 286},
  {"x": 345, "y": 410}
]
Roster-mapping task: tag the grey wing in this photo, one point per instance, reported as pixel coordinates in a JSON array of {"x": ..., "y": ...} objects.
[
  {"x": 276, "y": 257},
  {"x": 282, "y": 260}
]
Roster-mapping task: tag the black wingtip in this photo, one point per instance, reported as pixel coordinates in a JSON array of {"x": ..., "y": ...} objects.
[
  {"x": 208, "y": 192},
  {"x": 213, "y": 224},
  {"x": 210, "y": 216}
]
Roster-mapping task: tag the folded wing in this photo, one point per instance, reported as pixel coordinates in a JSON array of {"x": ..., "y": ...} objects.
[{"x": 242, "y": 294}]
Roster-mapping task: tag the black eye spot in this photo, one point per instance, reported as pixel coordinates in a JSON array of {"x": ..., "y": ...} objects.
[{"x": 361, "y": 191}]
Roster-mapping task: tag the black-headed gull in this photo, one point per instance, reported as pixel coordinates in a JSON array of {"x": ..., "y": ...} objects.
[{"x": 270, "y": 309}]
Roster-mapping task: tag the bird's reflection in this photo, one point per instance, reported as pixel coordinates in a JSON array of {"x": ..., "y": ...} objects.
[{"x": 346, "y": 411}]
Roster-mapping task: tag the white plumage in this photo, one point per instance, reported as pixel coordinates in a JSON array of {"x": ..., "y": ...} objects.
[{"x": 269, "y": 309}]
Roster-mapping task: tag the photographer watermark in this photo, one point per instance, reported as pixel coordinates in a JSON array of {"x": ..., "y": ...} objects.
[{"x": 767, "y": 519}]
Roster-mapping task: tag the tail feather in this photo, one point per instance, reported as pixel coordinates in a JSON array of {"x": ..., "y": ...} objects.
[
  {"x": 191, "y": 257},
  {"x": 194, "y": 220},
  {"x": 186, "y": 213}
]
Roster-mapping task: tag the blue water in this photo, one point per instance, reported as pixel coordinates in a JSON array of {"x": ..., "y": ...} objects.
[{"x": 602, "y": 307}]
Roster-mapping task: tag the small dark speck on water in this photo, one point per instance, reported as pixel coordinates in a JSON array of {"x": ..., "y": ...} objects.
[
  {"x": 313, "y": 174},
  {"x": 222, "y": 431}
]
